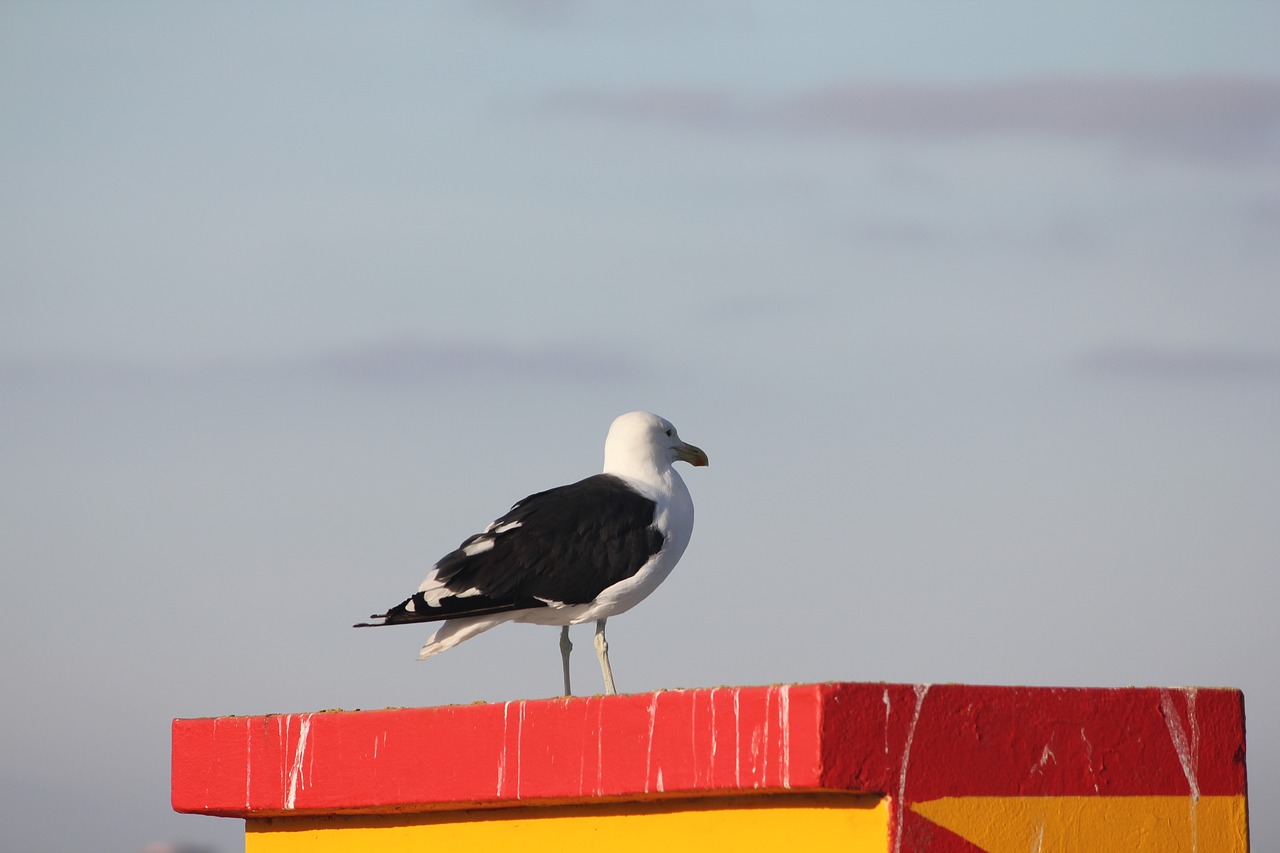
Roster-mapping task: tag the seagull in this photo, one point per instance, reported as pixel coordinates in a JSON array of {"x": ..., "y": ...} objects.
[{"x": 586, "y": 551}]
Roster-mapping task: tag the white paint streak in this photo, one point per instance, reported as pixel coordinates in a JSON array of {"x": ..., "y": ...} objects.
[
  {"x": 502, "y": 756},
  {"x": 755, "y": 756},
  {"x": 784, "y": 716},
  {"x": 599, "y": 747},
  {"x": 693, "y": 736},
  {"x": 1088, "y": 753},
  {"x": 1038, "y": 844},
  {"x": 296, "y": 777},
  {"x": 768, "y": 744},
  {"x": 519, "y": 748},
  {"x": 648, "y": 758},
  {"x": 582, "y": 753},
  {"x": 1190, "y": 693},
  {"x": 1045, "y": 757},
  {"x": 900, "y": 806},
  {"x": 888, "y": 706},
  {"x": 1181, "y": 745},
  {"x": 1194, "y": 721},
  {"x": 1187, "y": 748},
  {"x": 659, "y": 780},
  {"x": 283, "y": 725},
  {"x": 713, "y": 734},
  {"x": 737, "y": 742},
  {"x": 248, "y": 759}
]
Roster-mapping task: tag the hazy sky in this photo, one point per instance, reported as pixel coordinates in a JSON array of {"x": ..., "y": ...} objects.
[{"x": 974, "y": 307}]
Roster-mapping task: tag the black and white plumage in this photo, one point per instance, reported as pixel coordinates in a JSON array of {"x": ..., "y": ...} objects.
[{"x": 573, "y": 554}]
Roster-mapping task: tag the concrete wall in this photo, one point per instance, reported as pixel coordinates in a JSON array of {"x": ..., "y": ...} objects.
[{"x": 884, "y": 767}]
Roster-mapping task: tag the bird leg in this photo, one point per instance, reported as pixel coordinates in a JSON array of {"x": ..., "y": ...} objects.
[
  {"x": 565, "y": 647},
  {"x": 602, "y": 652}
]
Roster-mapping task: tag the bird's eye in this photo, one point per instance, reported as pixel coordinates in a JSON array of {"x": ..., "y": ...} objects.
[{"x": 670, "y": 432}]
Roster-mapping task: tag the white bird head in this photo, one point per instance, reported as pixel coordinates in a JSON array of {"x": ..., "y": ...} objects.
[{"x": 639, "y": 442}]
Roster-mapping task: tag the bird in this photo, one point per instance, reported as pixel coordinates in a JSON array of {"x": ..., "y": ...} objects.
[{"x": 585, "y": 551}]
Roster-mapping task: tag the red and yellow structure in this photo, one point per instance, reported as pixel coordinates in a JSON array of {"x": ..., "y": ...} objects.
[{"x": 858, "y": 767}]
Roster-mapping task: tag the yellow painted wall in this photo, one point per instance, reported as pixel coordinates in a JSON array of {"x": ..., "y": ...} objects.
[
  {"x": 855, "y": 824},
  {"x": 1095, "y": 824}
]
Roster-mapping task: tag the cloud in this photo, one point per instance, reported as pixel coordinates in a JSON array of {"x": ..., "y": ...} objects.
[
  {"x": 1207, "y": 117},
  {"x": 1185, "y": 364},
  {"x": 768, "y": 307},
  {"x": 414, "y": 362},
  {"x": 1263, "y": 214},
  {"x": 538, "y": 12},
  {"x": 657, "y": 17},
  {"x": 394, "y": 362},
  {"x": 670, "y": 104}
]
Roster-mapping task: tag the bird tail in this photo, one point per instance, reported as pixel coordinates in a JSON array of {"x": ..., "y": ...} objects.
[
  {"x": 455, "y": 631},
  {"x": 419, "y": 608}
]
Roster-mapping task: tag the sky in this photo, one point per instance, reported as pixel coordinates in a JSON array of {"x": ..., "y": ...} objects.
[{"x": 973, "y": 306}]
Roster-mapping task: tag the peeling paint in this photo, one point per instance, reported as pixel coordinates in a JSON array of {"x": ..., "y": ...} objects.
[
  {"x": 648, "y": 758},
  {"x": 737, "y": 743},
  {"x": 282, "y": 736},
  {"x": 599, "y": 747},
  {"x": 1172, "y": 759},
  {"x": 693, "y": 736},
  {"x": 502, "y": 756},
  {"x": 1088, "y": 753},
  {"x": 921, "y": 691},
  {"x": 1184, "y": 747},
  {"x": 297, "y": 780},
  {"x": 1187, "y": 749},
  {"x": 248, "y": 761},
  {"x": 311, "y": 761},
  {"x": 888, "y": 707},
  {"x": 784, "y": 713},
  {"x": 1046, "y": 755},
  {"x": 519, "y": 748},
  {"x": 764, "y": 765},
  {"x": 713, "y": 733},
  {"x": 582, "y": 757},
  {"x": 755, "y": 757}
]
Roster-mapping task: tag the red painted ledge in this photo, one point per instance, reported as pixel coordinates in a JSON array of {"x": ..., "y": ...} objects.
[{"x": 911, "y": 742}]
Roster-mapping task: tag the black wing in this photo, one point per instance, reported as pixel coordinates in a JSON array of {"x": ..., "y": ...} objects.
[{"x": 566, "y": 544}]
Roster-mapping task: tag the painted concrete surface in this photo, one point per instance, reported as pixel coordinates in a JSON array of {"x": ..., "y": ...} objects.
[
  {"x": 857, "y": 824},
  {"x": 959, "y": 767}
]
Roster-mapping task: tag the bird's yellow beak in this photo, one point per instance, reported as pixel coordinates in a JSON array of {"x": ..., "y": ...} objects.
[{"x": 693, "y": 455}]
